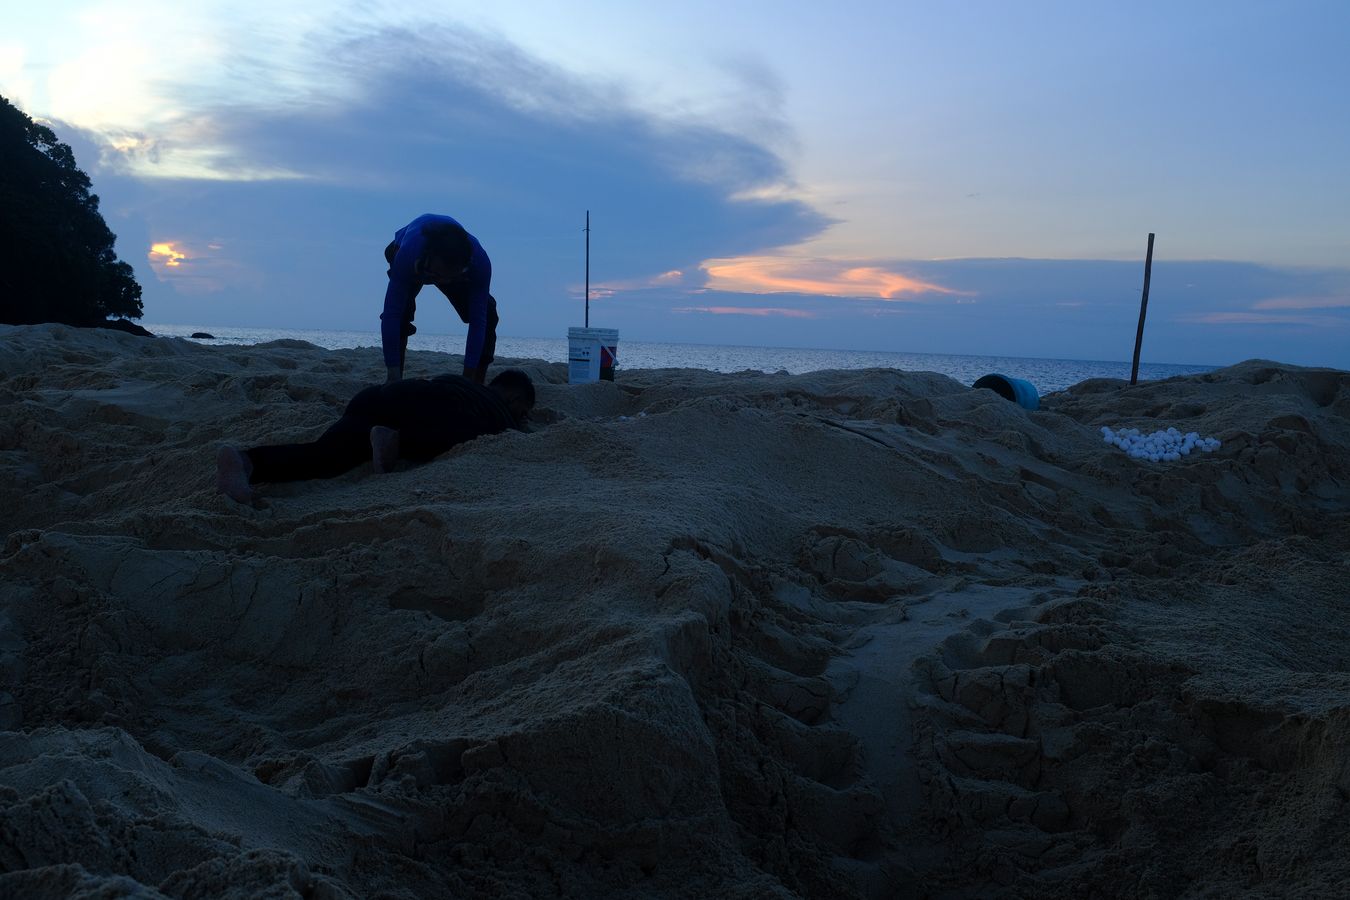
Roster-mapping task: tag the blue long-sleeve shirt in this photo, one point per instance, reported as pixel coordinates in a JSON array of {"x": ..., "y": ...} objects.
[{"x": 468, "y": 293}]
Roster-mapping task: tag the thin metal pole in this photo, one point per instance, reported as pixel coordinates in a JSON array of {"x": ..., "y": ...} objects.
[
  {"x": 588, "y": 268},
  {"x": 1143, "y": 309}
]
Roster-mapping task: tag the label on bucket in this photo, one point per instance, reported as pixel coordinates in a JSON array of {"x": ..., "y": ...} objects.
[{"x": 591, "y": 354}]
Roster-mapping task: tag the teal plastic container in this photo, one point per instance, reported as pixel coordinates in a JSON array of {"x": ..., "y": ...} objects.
[{"x": 1023, "y": 393}]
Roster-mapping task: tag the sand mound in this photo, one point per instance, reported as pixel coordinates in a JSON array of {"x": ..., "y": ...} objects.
[{"x": 839, "y": 634}]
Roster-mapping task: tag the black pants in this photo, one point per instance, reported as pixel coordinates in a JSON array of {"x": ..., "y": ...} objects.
[
  {"x": 461, "y": 309},
  {"x": 430, "y": 417}
]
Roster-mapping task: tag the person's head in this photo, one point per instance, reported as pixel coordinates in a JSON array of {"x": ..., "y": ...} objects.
[
  {"x": 447, "y": 252},
  {"x": 516, "y": 388}
]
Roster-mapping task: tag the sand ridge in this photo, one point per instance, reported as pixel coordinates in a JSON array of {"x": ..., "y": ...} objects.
[{"x": 838, "y": 634}]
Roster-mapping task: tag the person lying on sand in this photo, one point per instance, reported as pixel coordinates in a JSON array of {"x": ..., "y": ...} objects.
[{"x": 415, "y": 419}]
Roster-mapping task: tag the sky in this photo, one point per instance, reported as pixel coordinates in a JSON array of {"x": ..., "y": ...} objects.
[{"x": 957, "y": 177}]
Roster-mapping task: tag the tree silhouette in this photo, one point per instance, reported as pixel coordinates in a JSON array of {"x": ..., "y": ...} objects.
[{"x": 56, "y": 253}]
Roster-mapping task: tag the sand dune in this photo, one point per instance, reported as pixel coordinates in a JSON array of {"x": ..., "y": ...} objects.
[{"x": 839, "y": 634}]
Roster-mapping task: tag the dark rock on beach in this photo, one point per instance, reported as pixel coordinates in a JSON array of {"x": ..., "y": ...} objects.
[{"x": 126, "y": 325}]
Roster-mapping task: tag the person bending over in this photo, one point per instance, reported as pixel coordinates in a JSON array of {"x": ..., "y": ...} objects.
[
  {"x": 415, "y": 419},
  {"x": 434, "y": 249}
]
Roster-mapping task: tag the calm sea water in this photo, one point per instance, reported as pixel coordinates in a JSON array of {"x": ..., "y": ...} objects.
[{"x": 1046, "y": 374}]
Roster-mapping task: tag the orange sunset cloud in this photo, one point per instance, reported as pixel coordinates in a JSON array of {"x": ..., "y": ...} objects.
[{"x": 831, "y": 278}]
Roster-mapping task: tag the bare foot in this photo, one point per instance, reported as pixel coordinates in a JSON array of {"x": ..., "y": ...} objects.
[
  {"x": 232, "y": 470},
  {"x": 383, "y": 448}
]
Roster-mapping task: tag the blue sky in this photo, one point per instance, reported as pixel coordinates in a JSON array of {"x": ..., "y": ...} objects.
[{"x": 956, "y": 178}]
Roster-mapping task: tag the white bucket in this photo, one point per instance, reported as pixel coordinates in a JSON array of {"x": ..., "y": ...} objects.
[{"x": 591, "y": 353}]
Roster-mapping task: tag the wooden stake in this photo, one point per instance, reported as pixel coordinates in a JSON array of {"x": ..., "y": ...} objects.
[
  {"x": 1143, "y": 309},
  {"x": 588, "y": 267}
]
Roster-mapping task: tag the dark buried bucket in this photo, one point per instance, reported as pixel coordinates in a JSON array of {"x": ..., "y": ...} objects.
[{"x": 1023, "y": 393}]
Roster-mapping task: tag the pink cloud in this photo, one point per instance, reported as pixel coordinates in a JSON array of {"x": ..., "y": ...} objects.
[
  {"x": 1302, "y": 303},
  {"x": 749, "y": 311},
  {"x": 673, "y": 278},
  {"x": 827, "y": 277},
  {"x": 1252, "y": 318}
]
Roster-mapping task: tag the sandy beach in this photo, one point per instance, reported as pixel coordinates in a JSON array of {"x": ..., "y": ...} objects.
[{"x": 842, "y": 634}]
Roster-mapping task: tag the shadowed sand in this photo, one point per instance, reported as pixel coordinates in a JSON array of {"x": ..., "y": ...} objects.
[{"x": 843, "y": 634}]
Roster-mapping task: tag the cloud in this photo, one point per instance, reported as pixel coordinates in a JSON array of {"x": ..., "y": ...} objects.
[
  {"x": 675, "y": 278},
  {"x": 1303, "y": 303},
  {"x": 748, "y": 311},
  {"x": 1277, "y": 297},
  {"x": 196, "y": 269},
  {"x": 447, "y": 90},
  {"x": 304, "y": 189},
  {"x": 1253, "y": 318},
  {"x": 823, "y": 277},
  {"x": 759, "y": 108},
  {"x": 18, "y": 85}
]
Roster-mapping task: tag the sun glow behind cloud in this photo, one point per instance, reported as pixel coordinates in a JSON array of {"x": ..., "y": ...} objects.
[
  {"x": 194, "y": 268},
  {"x": 166, "y": 255},
  {"x": 825, "y": 277},
  {"x": 115, "y": 66},
  {"x": 13, "y": 76},
  {"x": 136, "y": 77}
]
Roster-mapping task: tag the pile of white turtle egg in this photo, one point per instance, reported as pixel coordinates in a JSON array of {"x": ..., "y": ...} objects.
[{"x": 1160, "y": 446}]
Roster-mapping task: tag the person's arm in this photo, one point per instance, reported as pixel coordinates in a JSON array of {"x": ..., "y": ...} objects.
[
  {"x": 400, "y": 292},
  {"x": 392, "y": 341},
  {"x": 480, "y": 282}
]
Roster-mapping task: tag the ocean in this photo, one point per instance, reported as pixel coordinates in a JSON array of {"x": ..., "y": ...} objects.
[{"x": 1046, "y": 375}]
